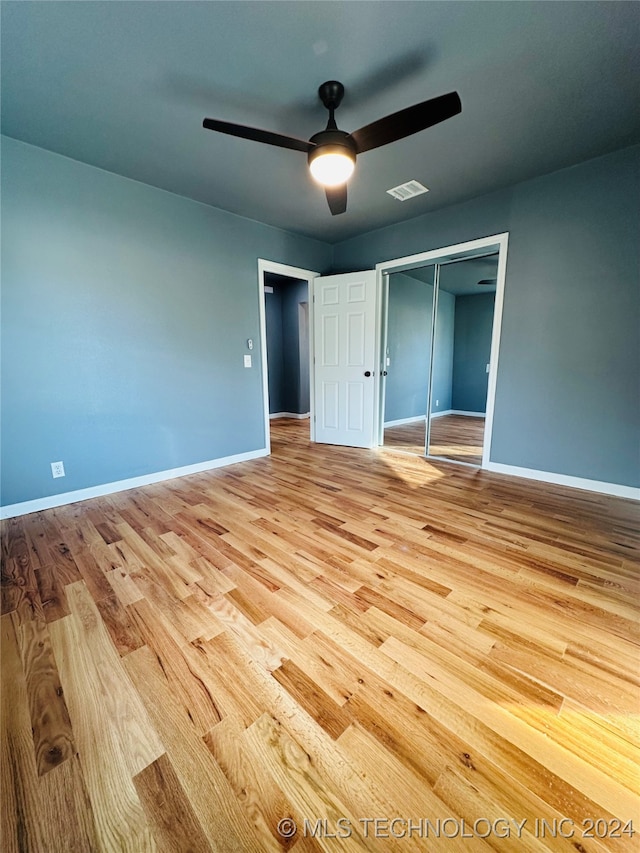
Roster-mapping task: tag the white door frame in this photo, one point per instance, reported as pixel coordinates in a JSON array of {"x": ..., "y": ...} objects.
[
  {"x": 472, "y": 248},
  {"x": 265, "y": 266}
]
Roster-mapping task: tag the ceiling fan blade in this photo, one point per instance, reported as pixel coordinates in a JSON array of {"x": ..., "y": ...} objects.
[
  {"x": 337, "y": 198},
  {"x": 258, "y": 135},
  {"x": 407, "y": 121}
]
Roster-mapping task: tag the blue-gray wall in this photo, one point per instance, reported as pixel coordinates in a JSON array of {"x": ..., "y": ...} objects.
[
  {"x": 273, "y": 323},
  {"x": 125, "y": 314},
  {"x": 126, "y": 311},
  {"x": 287, "y": 355},
  {"x": 294, "y": 362},
  {"x": 567, "y": 397},
  {"x": 472, "y": 351}
]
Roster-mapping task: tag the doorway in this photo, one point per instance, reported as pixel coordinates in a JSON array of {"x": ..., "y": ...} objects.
[
  {"x": 286, "y": 343},
  {"x": 287, "y": 334},
  {"x": 440, "y": 334}
]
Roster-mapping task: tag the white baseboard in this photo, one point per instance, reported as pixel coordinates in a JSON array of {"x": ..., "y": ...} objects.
[
  {"x": 417, "y": 418},
  {"x": 26, "y": 507},
  {"x": 403, "y": 421},
  {"x": 458, "y": 412},
  {"x": 289, "y": 415},
  {"x": 12, "y": 510},
  {"x": 564, "y": 480}
]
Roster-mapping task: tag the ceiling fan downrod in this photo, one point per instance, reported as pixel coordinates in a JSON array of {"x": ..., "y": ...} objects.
[{"x": 331, "y": 94}]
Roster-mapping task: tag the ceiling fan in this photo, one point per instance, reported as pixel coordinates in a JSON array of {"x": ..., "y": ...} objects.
[{"x": 332, "y": 152}]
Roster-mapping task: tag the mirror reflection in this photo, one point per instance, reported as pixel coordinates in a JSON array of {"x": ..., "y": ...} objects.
[
  {"x": 437, "y": 356},
  {"x": 408, "y": 358},
  {"x": 461, "y": 358}
]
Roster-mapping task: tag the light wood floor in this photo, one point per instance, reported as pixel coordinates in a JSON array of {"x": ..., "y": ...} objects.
[
  {"x": 410, "y": 438},
  {"x": 330, "y": 635},
  {"x": 455, "y": 437}
]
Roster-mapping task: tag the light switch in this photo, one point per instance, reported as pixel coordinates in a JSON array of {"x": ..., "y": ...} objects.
[
  {"x": 487, "y": 368},
  {"x": 247, "y": 361}
]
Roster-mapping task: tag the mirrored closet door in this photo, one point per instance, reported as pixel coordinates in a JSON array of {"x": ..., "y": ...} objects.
[
  {"x": 437, "y": 357},
  {"x": 409, "y": 303},
  {"x": 465, "y": 301}
]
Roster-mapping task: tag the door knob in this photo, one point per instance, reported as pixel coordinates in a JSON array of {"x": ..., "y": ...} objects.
[{"x": 367, "y": 373}]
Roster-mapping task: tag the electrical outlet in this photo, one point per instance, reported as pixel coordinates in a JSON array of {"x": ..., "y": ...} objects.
[{"x": 57, "y": 469}]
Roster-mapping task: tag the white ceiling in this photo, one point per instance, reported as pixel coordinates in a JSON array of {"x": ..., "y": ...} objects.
[{"x": 125, "y": 85}]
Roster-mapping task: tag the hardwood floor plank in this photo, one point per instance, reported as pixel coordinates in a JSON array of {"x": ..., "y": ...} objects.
[
  {"x": 124, "y": 586},
  {"x": 190, "y": 622},
  {"x": 312, "y": 698},
  {"x": 212, "y": 581},
  {"x": 120, "y": 702},
  {"x": 263, "y": 690},
  {"x": 260, "y": 797},
  {"x": 463, "y": 797},
  {"x": 124, "y": 634},
  {"x": 359, "y": 623},
  {"x": 530, "y": 773},
  {"x": 405, "y": 795},
  {"x": 51, "y": 591},
  {"x": 205, "y": 785},
  {"x": 11, "y": 585},
  {"x": 151, "y": 565},
  {"x": 293, "y": 587},
  {"x": 260, "y": 649},
  {"x": 251, "y": 597},
  {"x": 312, "y": 796},
  {"x": 75, "y": 558},
  {"x": 19, "y": 587},
  {"x": 179, "y": 665},
  {"x": 593, "y": 783},
  {"x": 174, "y": 825},
  {"x": 34, "y": 528},
  {"x": 112, "y": 737},
  {"x": 402, "y": 729},
  {"x": 323, "y": 633},
  {"x": 22, "y": 826},
  {"x": 221, "y": 656},
  {"x": 592, "y": 687},
  {"x": 65, "y": 810},
  {"x": 50, "y": 724}
]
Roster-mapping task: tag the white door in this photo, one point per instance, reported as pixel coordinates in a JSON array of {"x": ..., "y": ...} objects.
[{"x": 344, "y": 326}]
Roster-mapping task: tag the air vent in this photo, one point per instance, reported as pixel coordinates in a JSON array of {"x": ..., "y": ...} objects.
[{"x": 408, "y": 190}]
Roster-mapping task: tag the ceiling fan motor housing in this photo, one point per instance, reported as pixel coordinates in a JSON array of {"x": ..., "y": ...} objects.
[
  {"x": 331, "y": 94},
  {"x": 332, "y": 157},
  {"x": 332, "y": 142}
]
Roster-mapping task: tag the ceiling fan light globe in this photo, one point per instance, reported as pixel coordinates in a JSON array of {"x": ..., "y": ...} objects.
[{"x": 332, "y": 168}]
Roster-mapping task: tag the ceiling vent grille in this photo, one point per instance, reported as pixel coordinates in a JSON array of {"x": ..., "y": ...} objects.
[{"x": 408, "y": 190}]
